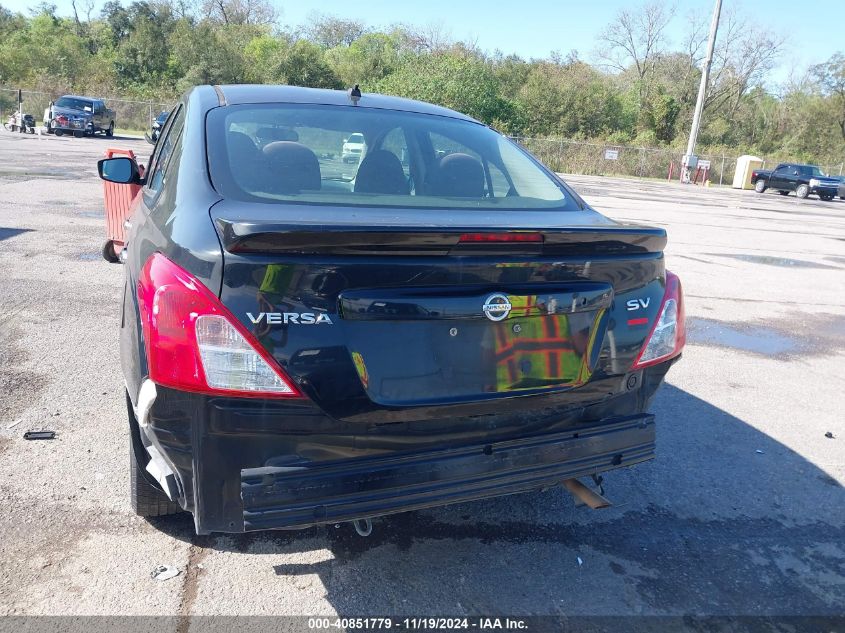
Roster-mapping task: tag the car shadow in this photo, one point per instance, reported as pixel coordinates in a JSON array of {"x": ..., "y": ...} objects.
[{"x": 726, "y": 521}]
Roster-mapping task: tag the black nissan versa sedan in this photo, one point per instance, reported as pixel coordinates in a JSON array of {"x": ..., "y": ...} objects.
[{"x": 307, "y": 341}]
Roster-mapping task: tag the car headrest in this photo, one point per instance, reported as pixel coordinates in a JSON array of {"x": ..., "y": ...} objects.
[
  {"x": 456, "y": 175},
  {"x": 381, "y": 172},
  {"x": 293, "y": 167},
  {"x": 240, "y": 147},
  {"x": 268, "y": 134}
]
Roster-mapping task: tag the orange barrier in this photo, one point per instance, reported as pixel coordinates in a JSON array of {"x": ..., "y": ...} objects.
[{"x": 120, "y": 202}]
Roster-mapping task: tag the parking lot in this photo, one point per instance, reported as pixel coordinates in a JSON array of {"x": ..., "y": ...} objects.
[{"x": 742, "y": 512}]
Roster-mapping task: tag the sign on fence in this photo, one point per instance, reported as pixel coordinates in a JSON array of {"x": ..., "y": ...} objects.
[
  {"x": 611, "y": 154},
  {"x": 704, "y": 164}
]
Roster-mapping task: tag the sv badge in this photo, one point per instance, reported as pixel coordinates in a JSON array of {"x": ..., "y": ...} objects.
[{"x": 636, "y": 304}]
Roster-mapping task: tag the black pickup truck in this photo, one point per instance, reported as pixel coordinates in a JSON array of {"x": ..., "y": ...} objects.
[{"x": 802, "y": 179}]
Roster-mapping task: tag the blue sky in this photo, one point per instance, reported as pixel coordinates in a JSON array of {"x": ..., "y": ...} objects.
[{"x": 815, "y": 29}]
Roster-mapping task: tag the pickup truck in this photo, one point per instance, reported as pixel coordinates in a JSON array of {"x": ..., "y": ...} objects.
[
  {"x": 80, "y": 116},
  {"x": 802, "y": 179}
]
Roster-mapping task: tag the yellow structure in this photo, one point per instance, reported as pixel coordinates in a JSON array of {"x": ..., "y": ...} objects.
[{"x": 744, "y": 166}]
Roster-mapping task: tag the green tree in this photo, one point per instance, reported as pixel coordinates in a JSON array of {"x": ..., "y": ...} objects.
[
  {"x": 304, "y": 64},
  {"x": 459, "y": 82},
  {"x": 365, "y": 61},
  {"x": 831, "y": 76}
]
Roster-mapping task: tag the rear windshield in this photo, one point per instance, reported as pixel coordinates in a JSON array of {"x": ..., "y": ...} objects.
[
  {"x": 72, "y": 103},
  {"x": 296, "y": 153}
]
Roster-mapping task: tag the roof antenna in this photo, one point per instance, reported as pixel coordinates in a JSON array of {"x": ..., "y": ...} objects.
[{"x": 354, "y": 94}]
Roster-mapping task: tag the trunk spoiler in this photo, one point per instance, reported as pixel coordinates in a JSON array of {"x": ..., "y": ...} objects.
[{"x": 300, "y": 239}]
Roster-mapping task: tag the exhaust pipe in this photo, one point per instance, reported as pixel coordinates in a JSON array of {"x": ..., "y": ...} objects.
[
  {"x": 584, "y": 495},
  {"x": 364, "y": 527}
]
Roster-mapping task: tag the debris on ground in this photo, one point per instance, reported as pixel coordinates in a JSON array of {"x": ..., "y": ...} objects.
[
  {"x": 829, "y": 435},
  {"x": 165, "y": 572},
  {"x": 759, "y": 452},
  {"x": 580, "y": 562},
  {"x": 39, "y": 435},
  {"x": 14, "y": 424}
]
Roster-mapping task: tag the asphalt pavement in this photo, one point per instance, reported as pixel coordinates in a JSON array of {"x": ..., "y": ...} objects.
[{"x": 742, "y": 513}]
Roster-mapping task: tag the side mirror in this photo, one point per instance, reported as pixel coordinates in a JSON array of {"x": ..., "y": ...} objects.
[
  {"x": 120, "y": 170},
  {"x": 345, "y": 140}
]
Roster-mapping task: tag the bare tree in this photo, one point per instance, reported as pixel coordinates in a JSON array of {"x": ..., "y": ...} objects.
[
  {"x": 254, "y": 12},
  {"x": 330, "y": 31},
  {"x": 635, "y": 38},
  {"x": 744, "y": 55},
  {"x": 82, "y": 27},
  {"x": 433, "y": 37}
]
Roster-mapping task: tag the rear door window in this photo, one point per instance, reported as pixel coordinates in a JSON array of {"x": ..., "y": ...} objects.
[{"x": 163, "y": 151}]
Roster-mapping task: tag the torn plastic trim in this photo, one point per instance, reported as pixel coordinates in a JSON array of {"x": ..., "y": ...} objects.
[
  {"x": 146, "y": 397},
  {"x": 161, "y": 471}
]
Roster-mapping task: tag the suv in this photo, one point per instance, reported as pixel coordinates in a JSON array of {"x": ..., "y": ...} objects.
[
  {"x": 302, "y": 348},
  {"x": 802, "y": 179},
  {"x": 352, "y": 148},
  {"x": 79, "y": 116}
]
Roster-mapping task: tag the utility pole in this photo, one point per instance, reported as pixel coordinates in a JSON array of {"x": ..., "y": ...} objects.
[{"x": 690, "y": 159}]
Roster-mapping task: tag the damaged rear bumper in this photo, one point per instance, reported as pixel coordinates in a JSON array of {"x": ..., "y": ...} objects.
[
  {"x": 242, "y": 465},
  {"x": 297, "y": 497}
]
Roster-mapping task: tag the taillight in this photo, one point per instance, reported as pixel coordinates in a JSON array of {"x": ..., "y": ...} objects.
[
  {"x": 668, "y": 334},
  {"x": 195, "y": 344}
]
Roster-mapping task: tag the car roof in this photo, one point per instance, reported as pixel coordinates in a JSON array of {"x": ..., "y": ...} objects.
[
  {"x": 80, "y": 97},
  {"x": 257, "y": 93}
]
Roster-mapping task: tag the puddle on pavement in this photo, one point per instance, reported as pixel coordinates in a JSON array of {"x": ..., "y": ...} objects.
[
  {"x": 758, "y": 339},
  {"x": 90, "y": 257},
  {"x": 91, "y": 214},
  {"x": 769, "y": 260}
]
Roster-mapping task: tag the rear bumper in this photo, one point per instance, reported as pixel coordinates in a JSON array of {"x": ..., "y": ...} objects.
[
  {"x": 298, "y": 497},
  {"x": 247, "y": 464}
]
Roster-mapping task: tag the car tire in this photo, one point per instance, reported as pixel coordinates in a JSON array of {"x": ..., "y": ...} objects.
[
  {"x": 802, "y": 191},
  {"x": 59, "y": 132},
  {"x": 78, "y": 134},
  {"x": 827, "y": 198},
  {"x": 783, "y": 193},
  {"x": 110, "y": 131},
  {"x": 760, "y": 186},
  {"x": 146, "y": 499}
]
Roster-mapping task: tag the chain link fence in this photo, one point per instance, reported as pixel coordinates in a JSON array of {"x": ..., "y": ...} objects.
[
  {"x": 578, "y": 157},
  {"x": 129, "y": 115}
]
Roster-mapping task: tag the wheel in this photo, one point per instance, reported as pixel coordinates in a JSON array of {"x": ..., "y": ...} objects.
[
  {"x": 145, "y": 497},
  {"x": 760, "y": 186},
  {"x": 110, "y": 131},
  {"x": 802, "y": 191},
  {"x": 59, "y": 131},
  {"x": 78, "y": 134},
  {"x": 108, "y": 253},
  {"x": 827, "y": 198},
  {"x": 783, "y": 193}
]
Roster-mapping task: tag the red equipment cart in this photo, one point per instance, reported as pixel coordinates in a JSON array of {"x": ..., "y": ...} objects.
[{"x": 120, "y": 202}]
